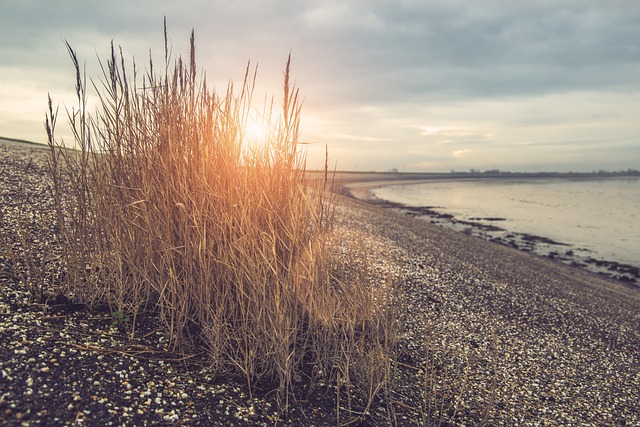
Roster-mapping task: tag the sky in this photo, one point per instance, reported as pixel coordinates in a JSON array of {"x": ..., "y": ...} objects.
[{"x": 412, "y": 85}]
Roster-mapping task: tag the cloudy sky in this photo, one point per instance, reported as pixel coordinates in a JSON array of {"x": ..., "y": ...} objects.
[{"x": 417, "y": 85}]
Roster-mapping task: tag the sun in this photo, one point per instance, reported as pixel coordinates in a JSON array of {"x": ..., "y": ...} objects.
[{"x": 255, "y": 132}]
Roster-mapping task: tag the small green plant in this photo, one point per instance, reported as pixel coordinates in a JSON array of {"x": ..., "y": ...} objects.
[{"x": 119, "y": 318}]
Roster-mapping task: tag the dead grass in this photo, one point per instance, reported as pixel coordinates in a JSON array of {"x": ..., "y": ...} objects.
[{"x": 165, "y": 209}]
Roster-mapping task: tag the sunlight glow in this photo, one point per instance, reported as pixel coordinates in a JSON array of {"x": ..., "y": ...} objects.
[{"x": 256, "y": 132}]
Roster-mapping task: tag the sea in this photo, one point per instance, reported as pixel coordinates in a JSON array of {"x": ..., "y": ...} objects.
[{"x": 587, "y": 221}]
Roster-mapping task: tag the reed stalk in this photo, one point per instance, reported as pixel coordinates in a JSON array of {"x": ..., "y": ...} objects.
[{"x": 165, "y": 210}]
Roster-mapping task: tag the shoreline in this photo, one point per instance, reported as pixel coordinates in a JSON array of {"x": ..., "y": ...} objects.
[
  {"x": 21, "y": 143},
  {"x": 550, "y": 321},
  {"x": 360, "y": 185},
  {"x": 542, "y": 246}
]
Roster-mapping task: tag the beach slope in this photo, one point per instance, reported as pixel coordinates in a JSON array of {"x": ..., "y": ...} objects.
[
  {"x": 543, "y": 342},
  {"x": 489, "y": 334}
]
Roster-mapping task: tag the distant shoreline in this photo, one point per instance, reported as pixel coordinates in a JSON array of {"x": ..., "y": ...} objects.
[
  {"x": 22, "y": 142},
  {"x": 360, "y": 184},
  {"x": 350, "y": 178}
]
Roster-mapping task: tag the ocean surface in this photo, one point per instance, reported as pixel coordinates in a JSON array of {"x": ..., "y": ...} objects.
[{"x": 598, "y": 218}]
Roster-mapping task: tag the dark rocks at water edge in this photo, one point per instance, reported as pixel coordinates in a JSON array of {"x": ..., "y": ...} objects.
[
  {"x": 540, "y": 245},
  {"x": 488, "y": 219},
  {"x": 624, "y": 272}
]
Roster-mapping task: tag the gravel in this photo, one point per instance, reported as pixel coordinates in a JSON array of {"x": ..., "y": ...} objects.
[
  {"x": 535, "y": 341},
  {"x": 61, "y": 364},
  {"x": 489, "y": 335}
]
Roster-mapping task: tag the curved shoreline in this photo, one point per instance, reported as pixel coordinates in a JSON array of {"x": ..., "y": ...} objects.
[
  {"x": 362, "y": 188},
  {"x": 561, "y": 332}
]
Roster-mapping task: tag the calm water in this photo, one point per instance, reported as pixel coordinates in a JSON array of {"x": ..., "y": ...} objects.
[{"x": 600, "y": 216}]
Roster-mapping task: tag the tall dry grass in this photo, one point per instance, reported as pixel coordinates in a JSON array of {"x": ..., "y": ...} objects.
[{"x": 165, "y": 209}]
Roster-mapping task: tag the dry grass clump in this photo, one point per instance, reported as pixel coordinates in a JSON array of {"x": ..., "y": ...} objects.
[{"x": 164, "y": 208}]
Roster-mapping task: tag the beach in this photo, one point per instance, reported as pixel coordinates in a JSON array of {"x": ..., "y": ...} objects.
[
  {"x": 490, "y": 335},
  {"x": 567, "y": 340}
]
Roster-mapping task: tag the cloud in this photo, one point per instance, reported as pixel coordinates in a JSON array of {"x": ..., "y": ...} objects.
[
  {"x": 404, "y": 81},
  {"x": 461, "y": 153},
  {"x": 362, "y": 138}
]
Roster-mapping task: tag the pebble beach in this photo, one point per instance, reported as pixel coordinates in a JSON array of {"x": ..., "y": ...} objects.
[{"x": 490, "y": 336}]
